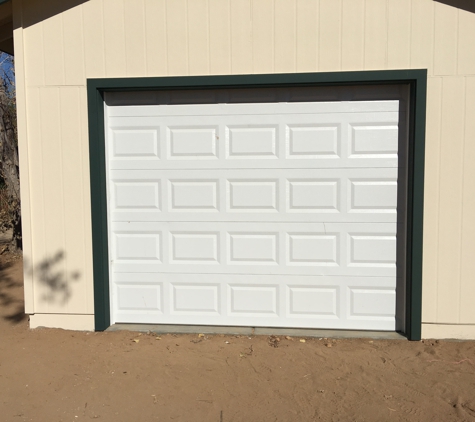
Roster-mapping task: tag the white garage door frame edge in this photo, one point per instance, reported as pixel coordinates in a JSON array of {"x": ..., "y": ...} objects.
[{"x": 415, "y": 79}]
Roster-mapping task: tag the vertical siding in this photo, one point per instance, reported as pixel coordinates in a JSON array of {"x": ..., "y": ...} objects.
[
  {"x": 466, "y": 37},
  {"x": 35, "y": 185},
  {"x": 135, "y": 45},
  {"x": 399, "y": 35},
  {"x": 467, "y": 291},
  {"x": 198, "y": 37},
  {"x": 285, "y": 36},
  {"x": 241, "y": 40},
  {"x": 94, "y": 57},
  {"x": 34, "y": 55},
  {"x": 114, "y": 38},
  {"x": 445, "y": 40},
  {"x": 376, "y": 35},
  {"x": 118, "y": 38},
  {"x": 85, "y": 221},
  {"x": 262, "y": 13},
  {"x": 306, "y": 35},
  {"x": 450, "y": 183},
  {"x": 177, "y": 37},
  {"x": 422, "y": 35},
  {"x": 71, "y": 134},
  {"x": 219, "y": 37},
  {"x": 53, "y": 52},
  {"x": 73, "y": 47},
  {"x": 51, "y": 156},
  {"x": 353, "y": 35},
  {"x": 329, "y": 46},
  {"x": 155, "y": 24}
]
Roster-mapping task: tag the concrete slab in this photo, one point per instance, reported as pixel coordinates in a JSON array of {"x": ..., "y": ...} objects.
[
  {"x": 182, "y": 329},
  {"x": 263, "y": 331},
  {"x": 308, "y": 332}
]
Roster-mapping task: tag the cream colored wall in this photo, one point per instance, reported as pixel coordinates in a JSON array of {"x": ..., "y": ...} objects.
[{"x": 127, "y": 38}]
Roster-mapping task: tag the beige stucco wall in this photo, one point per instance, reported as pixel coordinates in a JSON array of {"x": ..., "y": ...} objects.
[{"x": 58, "y": 45}]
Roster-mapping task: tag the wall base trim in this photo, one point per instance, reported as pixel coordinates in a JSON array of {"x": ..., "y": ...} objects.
[
  {"x": 449, "y": 331},
  {"x": 64, "y": 321}
]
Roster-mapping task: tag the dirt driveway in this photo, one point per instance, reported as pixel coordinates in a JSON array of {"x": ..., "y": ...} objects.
[{"x": 55, "y": 375}]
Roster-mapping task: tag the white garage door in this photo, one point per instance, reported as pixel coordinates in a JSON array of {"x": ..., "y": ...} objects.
[{"x": 260, "y": 214}]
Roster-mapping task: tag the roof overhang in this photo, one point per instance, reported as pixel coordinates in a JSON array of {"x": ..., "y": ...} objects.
[{"x": 6, "y": 26}]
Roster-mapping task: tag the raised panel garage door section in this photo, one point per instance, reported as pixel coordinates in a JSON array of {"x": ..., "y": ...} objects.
[{"x": 260, "y": 214}]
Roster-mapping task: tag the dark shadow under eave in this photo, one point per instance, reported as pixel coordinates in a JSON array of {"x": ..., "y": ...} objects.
[
  {"x": 37, "y": 11},
  {"x": 468, "y": 5}
]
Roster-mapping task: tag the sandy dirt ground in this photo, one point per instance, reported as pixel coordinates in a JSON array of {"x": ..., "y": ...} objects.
[{"x": 56, "y": 375}]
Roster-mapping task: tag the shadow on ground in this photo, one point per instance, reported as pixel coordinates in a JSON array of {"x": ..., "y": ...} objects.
[{"x": 11, "y": 294}]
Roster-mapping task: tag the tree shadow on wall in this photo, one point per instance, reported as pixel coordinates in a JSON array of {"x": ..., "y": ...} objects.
[
  {"x": 56, "y": 281},
  {"x": 49, "y": 274},
  {"x": 468, "y": 5}
]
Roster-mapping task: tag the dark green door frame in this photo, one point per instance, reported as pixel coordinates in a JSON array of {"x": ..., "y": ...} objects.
[{"x": 417, "y": 81}]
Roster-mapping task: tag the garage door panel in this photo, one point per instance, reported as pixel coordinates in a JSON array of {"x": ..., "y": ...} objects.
[
  {"x": 383, "y": 302},
  {"x": 370, "y": 195},
  {"x": 137, "y": 297},
  {"x": 249, "y": 120},
  {"x": 258, "y": 141},
  {"x": 252, "y": 195},
  {"x": 377, "y": 140},
  {"x": 134, "y": 142},
  {"x": 232, "y": 110},
  {"x": 256, "y": 248},
  {"x": 144, "y": 245},
  {"x": 248, "y": 300},
  {"x": 307, "y": 301},
  {"x": 264, "y": 267},
  {"x": 312, "y": 140},
  {"x": 137, "y": 194},
  {"x": 195, "y": 299},
  {"x": 187, "y": 247},
  {"x": 263, "y": 300},
  {"x": 243, "y": 216},
  {"x": 193, "y": 195},
  {"x": 192, "y": 142},
  {"x": 301, "y": 162},
  {"x": 304, "y": 195},
  {"x": 328, "y": 140}
]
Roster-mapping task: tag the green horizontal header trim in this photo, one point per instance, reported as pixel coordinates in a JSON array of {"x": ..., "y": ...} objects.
[
  {"x": 417, "y": 80},
  {"x": 256, "y": 81}
]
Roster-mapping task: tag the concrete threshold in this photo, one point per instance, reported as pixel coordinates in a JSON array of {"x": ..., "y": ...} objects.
[{"x": 256, "y": 331}]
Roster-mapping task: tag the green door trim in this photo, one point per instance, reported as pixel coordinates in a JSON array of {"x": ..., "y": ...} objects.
[{"x": 417, "y": 80}]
